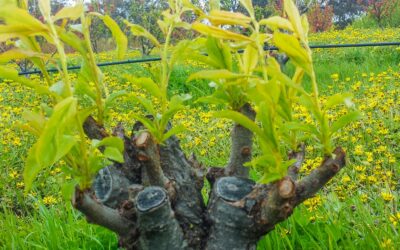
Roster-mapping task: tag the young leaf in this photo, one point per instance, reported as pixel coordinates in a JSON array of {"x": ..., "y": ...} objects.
[
  {"x": 214, "y": 75},
  {"x": 345, "y": 120},
  {"x": 149, "y": 124},
  {"x": 242, "y": 120},
  {"x": 112, "y": 99},
  {"x": 32, "y": 168},
  {"x": 119, "y": 36},
  {"x": 147, "y": 84},
  {"x": 45, "y": 9},
  {"x": 12, "y": 74},
  {"x": 50, "y": 146},
  {"x": 180, "y": 52},
  {"x": 146, "y": 103},
  {"x": 173, "y": 131},
  {"x": 114, "y": 154},
  {"x": 297, "y": 126},
  {"x": 248, "y": 5},
  {"x": 96, "y": 162},
  {"x": 138, "y": 30},
  {"x": 73, "y": 40},
  {"x": 250, "y": 59},
  {"x": 219, "y": 53},
  {"x": 36, "y": 121},
  {"x": 218, "y": 32},
  {"x": 219, "y": 17},
  {"x": 294, "y": 17},
  {"x": 110, "y": 141},
  {"x": 277, "y": 22},
  {"x": 72, "y": 13},
  {"x": 19, "y": 22},
  {"x": 337, "y": 99},
  {"x": 15, "y": 54},
  {"x": 82, "y": 88},
  {"x": 291, "y": 47},
  {"x": 68, "y": 189}
]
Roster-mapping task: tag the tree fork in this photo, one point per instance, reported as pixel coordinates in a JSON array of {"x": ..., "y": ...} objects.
[{"x": 239, "y": 211}]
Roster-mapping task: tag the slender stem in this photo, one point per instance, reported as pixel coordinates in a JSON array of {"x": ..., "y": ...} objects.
[
  {"x": 84, "y": 152},
  {"x": 63, "y": 58},
  {"x": 315, "y": 88},
  {"x": 94, "y": 69},
  {"x": 165, "y": 68},
  {"x": 260, "y": 50}
]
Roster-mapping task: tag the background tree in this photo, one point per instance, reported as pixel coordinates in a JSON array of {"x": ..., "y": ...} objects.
[
  {"x": 381, "y": 11},
  {"x": 320, "y": 17},
  {"x": 346, "y": 11}
]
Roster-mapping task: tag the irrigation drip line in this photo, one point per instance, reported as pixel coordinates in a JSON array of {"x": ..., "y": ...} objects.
[{"x": 270, "y": 48}]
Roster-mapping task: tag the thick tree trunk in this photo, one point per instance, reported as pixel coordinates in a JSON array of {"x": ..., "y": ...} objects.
[{"x": 154, "y": 200}]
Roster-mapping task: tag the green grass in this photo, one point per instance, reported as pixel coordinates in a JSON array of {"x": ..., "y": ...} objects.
[{"x": 56, "y": 227}]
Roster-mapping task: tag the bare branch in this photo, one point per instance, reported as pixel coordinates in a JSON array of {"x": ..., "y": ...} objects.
[
  {"x": 309, "y": 185},
  {"x": 100, "y": 214},
  {"x": 149, "y": 155},
  {"x": 275, "y": 202},
  {"x": 93, "y": 129},
  {"x": 299, "y": 155}
]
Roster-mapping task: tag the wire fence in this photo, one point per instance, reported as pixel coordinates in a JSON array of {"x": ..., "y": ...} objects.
[{"x": 267, "y": 48}]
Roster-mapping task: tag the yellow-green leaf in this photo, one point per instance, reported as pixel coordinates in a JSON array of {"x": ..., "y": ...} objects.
[
  {"x": 294, "y": 17},
  {"x": 53, "y": 143},
  {"x": 15, "y": 54},
  {"x": 138, "y": 30},
  {"x": 345, "y": 120},
  {"x": 114, "y": 154},
  {"x": 72, "y": 13},
  {"x": 248, "y": 5},
  {"x": 12, "y": 74},
  {"x": 110, "y": 141},
  {"x": 250, "y": 59},
  {"x": 45, "y": 9},
  {"x": 119, "y": 36},
  {"x": 242, "y": 120},
  {"x": 218, "y": 32},
  {"x": 215, "y": 75},
  {"x": 337, "y": 99},
  {"x": 277, "y": 22},
  {"x": 219, "y": 17},
  {"x": 306, "y": 25},
  {"x": 19, "y": 21},
  {"x": 146, "y": 83},
  {"x": 292, "y": 47}
]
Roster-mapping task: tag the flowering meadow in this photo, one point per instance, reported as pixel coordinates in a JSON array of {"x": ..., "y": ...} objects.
[{"x": 358, "y": 210}]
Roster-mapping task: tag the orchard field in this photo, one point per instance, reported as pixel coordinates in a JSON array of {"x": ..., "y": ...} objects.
[{"x": 358, "y": 210}]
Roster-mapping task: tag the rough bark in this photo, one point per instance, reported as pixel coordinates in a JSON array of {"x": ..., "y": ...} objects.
[
  {"x": 157, "y": 224},
  {"x": 241, "y": 149},
  {"x": 100, "y": 214},
  {"x": 149, "y": 155},
  {"x": 231, "y": 225},
  {"x": 299, "y": 155},
  {"x": 154, "y": 199}
]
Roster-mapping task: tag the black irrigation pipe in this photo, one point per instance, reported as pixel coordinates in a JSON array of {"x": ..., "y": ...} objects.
[{"x": 154, "y": 59}]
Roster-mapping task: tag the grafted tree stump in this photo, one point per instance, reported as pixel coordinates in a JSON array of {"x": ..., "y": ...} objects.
[{"x": 153, "y": 200}]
